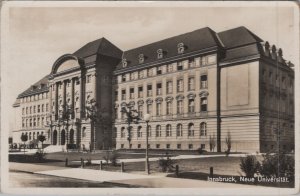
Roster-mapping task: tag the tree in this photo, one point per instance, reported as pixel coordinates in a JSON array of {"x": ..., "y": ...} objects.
[
  {"x": 228, "y": 143},
  {"x": 41, "y": 138},
  {"x": 249, "y": 165},
  {"x": 24, "y": 138},
  {"x": 131, "y": 117}
]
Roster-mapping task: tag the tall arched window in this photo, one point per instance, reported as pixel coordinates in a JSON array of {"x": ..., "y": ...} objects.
[
  {"x": 168, "y": 130},
  {"x": 158, "y": 131},
  {"x": 179, "y": 130},
  {"x": 191, "y": 130},
  {"x": 139, "y": 132},
  {"x": 203, "y": 131},
  {"x": 122, "y": 132},
  {"x": 83, "y": 131}
]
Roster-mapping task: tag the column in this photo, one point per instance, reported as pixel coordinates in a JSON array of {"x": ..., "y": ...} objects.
[
  {"x": 56, "y": 100},
  {"x": 73, "y": 96}
]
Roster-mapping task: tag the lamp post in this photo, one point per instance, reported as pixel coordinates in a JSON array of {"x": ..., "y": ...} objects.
[{"x": 147, "y": 119}]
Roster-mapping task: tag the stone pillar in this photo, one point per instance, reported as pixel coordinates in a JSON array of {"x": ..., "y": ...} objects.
[
  {"x": 73, "y": 96},
  {"x": 56, "y": 100}
]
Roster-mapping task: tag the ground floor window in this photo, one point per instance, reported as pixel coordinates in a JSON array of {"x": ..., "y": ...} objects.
[
  {"x": 178, "y": 146},
  {"x": 157, "y": 146},
  {"x": 190, "y": 146},
  {"x": 203, "y": 146},
  {"x": 139, "y": 145},
  {"x": 168, "y": 146},
  {"x": 122, "y": 145}
]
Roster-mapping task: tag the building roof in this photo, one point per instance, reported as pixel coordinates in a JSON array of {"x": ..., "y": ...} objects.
[
  {"x": 201, "y": 39},
  {"x": 38, "y": 87},
  {"x": 99, "y": 46}
]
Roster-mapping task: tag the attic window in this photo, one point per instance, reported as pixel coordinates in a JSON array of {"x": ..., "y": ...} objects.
[
  {"x": 124, "y": 63},
  {"x": 180, "y": 48},
  {"x": 160, "y": 54},
  {"x": 141, "y": 58}
]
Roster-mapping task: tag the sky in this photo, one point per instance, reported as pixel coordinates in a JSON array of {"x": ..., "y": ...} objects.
[{"x": 34, "y": 37}]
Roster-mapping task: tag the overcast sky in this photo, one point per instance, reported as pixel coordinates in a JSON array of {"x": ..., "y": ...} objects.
[{"x": 39, "y": 35}]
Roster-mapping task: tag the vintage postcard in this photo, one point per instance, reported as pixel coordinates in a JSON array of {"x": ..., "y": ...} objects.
[{"x": 139, "y": 98}]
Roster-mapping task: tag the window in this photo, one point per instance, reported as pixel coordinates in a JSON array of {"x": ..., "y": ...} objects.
[
  {"x": 116, "y": 113},
  {"x": 169, "y": 108},
  {"x": 191, "y": 130},
  {"x": 158, "y": 131},
  {"x": 140, "y": 92},
  {"x": 132, "y": 76},
  {"x": 131, "y": 93},
  {"x": 88, "y": 78},
  {"x": 124, "y": 78},
  {"x": 42, "y": 122},
  {"x": 180, "y": 85},
  {"x": 170, "y": 67},
  {"x": 203, "y": 104},
  {"x": 43, "y": 106},
  {"x": 169, "y": 87},
  {"x": 203, "y": 129},
  {"x": 122, "y": 132},
  {"x": 23, "y": 123},
  {"x": 180, "y": 48},
  {"x": 34, "y": 109},
  {"x": 191, "y": 84},
  {"x": 141, "y": 58},
  {"x": 30, "y": 136},
  {"x": 180, "y": 66},
  {"x": 168, "y": 131},
  {"x": 178, "y": 146},
  {"x": 157, "y": 145},
  {"x": 141, "y": 74},
  {"x": 168, "y": 146},
  {"x": 122, "y": 145},
  {"x": 140, "y": 111},
  {"x": 276, "y": 80},
  {"x": 179, "y": 130},
  {"x": 139, "y": 145},
  {"x": 191, "y": 105},
  {"x": 190, "y": 146},
  {"x": 139, "y": 132},
  {"x": 26, "y": 110},
  {"x": 124, "y": 63},
  {"x": 179, "y": 107},
  {"x": 26, "y": 122},
  {"x": 283, "y": 82},
  {"x": 197, "y": 62},
  {"x": 23, "y": 111},
  {"x": 149, "y": 90},
  {"x": 116, "y": 95},
  {"x": 158, "y": 109},
  {"x": 159, "y": 54},
  {"x": 34, "y": 122},
  {"x": 159, "y": 71},
  {"x": 203, "y": 82},
  {"x": 149, "y": 108},
  {"x": 271, "y": 77},
  {"x": 123, "y": 94},
  {"x": 158, "y": 89},
  {"x": 39, "y": 109},
  {"x": 149, "y": 72},
  {"x": 38, "y": 122}
]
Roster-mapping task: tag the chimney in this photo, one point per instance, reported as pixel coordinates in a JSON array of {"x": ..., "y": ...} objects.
[
  {"x": 273, "y": 54},
  {"x": 280, "y": 58}
]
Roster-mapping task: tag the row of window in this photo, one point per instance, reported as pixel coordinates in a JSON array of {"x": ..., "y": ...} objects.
[
  {"x": 34, "y": 97},
  {"x": 167, "y": 132},
  {"x": 169, "y": 108},
  {"x": 176, "y": 66},
  {"x": 35, "y": 109},
  {"x": 35, "y": 122},
  {"x": 167, "y": 146},
  {"x": 169, "y": 88},
  {"x": 34, "y": 135},
  {"x": 274, "y": 79}
]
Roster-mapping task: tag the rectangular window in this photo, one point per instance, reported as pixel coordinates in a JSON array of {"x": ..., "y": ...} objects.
[
  {"x": 169, "y": 87},
  {"x": 191, "y": 105},
  {"x": 180, "y": 85},
  {"x": 39, "y": 109},
  {"x": 131, "y": 93},
  {"x": 132, "y": 76},
  {"x": 202, "y": 146},
  {"x": 203, "y": 82},
  {"x": 140, "y": 93},
  {"x": 149, "y": 108},
  {"x": 123, "y": 94},
  {"x": 203, "y": 61},
  {"x": 169, "y": 108},
  {"x": 141, "y": 74},
  {"x": 116, "y": 113},
  {"x": 158, "y": 89},
  {"x": 168, "y": 146},
  {"x": 116, "y": 95},
  {"x": 23, "y": 111},
  {"x": 179, "y": 66},
  {"x": 88, "y": 78},
  {"x": 190, "y": 146},
  {"x": 149, "y": 90},
  {"x": 178, "y": 146},
  {"x": 122, "y": 145},
  {"x": 150, "y": 72},
  {"x": 179, "y": 107},
  {"x": 34, "y": 109},
  {"x": 124, "y": 78},
  {"x": 158, "y": 109},
  {"x": 203, "y": 104},
  {"x": 157, "y": 146},
  {"x": 191, "y": 83},
  {"x": 139, "y": 146},
  {"x": 170, "y": 68},
  {"x": 159, "y": 71},
  {"x": 47, "y": 107}
]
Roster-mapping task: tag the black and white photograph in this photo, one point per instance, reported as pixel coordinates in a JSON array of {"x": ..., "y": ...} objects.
[{"x": 137, "y": 98}]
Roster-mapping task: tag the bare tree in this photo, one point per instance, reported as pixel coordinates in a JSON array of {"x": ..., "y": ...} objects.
[{"x": 228, "y": 143}]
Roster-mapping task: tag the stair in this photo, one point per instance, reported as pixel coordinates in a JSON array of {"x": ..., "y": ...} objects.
[{"x": 55, "y": 148}]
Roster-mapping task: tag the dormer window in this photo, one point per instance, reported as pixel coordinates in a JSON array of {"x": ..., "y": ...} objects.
[
  {"x": 124, "y": 63},
  {"x": 180, "y": 48},
  {"x": 160, "y": 54},
  {"x": 141, "y": 58}
]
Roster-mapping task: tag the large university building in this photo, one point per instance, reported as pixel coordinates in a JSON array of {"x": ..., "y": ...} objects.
[{"x": 202, "y": 89}]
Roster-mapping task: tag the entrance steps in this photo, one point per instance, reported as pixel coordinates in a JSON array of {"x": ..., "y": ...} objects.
[{"x": 55, "y": 148}]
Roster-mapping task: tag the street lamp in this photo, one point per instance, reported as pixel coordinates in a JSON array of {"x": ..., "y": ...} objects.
[{"x": 147, "y": 119}]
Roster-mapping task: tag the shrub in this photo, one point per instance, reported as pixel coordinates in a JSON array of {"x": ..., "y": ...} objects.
[
  {"x": 228, "y": 143},
  {"x": 166, "y": 164},
  {"x": 201, "y": 150},
  {"x": 88, "y": 162},
  {"x": 249, "y": 165},
  {"x": 106, "y": 157},
  {"x": 39, "y": 155},
  {"x": 278, "y": 165},
  {"x": 114, "y": 158}
]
